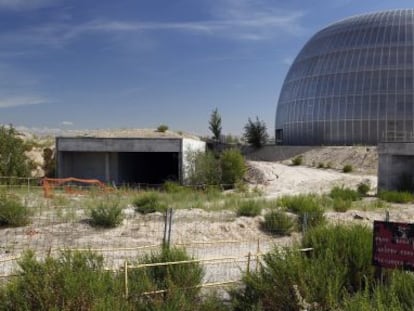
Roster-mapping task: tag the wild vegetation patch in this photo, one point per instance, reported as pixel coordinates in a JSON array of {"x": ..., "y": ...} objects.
[
  {"x": 278, "y": 222},
  {"x": 249, "y": 208},
  {"x": 13, "y": 213},
  {"x": 396, "y": 196},
  {"x": 106, "y": 213}
]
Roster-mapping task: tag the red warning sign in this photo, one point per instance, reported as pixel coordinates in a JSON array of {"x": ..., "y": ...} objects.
[{"x": 393, "y": 245}]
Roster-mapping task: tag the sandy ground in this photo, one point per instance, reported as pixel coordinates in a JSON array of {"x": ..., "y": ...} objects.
[
  {"x": 206, "y": 234},
  {"x": 281, "y": 179}
]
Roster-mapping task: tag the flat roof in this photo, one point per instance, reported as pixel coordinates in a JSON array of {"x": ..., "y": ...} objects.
[{"x": 130, "y": 133}]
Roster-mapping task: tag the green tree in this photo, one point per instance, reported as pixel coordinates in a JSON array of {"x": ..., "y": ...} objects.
[
  {"x": 204, "y": 169},
  {"x": 13, "y": 161},
  {"x": 215, "y": 124},
  {"x": 255, "y": 132},
  {"x": 232, "y": 166}
]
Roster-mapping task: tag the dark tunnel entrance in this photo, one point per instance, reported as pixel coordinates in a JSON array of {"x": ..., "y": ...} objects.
[{"x": 147, "y": 167}]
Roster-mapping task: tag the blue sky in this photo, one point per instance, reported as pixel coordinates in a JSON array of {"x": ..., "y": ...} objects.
[{"x": 90, "y": 64}]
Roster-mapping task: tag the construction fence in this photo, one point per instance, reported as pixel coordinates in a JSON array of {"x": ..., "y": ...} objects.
[{"x": 52, "y": 230}]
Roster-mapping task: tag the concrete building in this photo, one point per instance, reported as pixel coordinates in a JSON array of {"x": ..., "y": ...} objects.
[
  {"x": 396, "y": 165},
  {"x": 126, "y": 160}
]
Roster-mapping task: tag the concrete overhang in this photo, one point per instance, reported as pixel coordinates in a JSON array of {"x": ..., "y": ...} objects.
[
  {"x": 396, "y": 148},
  {"x": 91, "y": 144}
]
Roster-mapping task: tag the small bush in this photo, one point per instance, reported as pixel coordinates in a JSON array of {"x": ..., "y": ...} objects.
[
  {"x": 321, "y": 165},
  {"x": 181, "y": 280},
  {"x": 278, "y": 223},
  {"x": 347, "y": 168},
  {"x": 232, "y": 166},
  {"x": 107, "y": 214},
  {"x": 73, "y": 281},
  {"x": 162, "y": 128},
  {"x": 203, "y": 168},
  {"x": 173, "y": 187},
  {"x": 341, "y": 206},
  {"x": 148, "y": 202},
  {"x": 309, "y": 208},
  {"x": 297, "y": 160},
  {"x": 363, "y": 188},
  {"x": 396, "y": 196},
  {"x": 249, "y": 208},
  {"x": 344, "y": 194},
  {"x": 12, "y": 212}
]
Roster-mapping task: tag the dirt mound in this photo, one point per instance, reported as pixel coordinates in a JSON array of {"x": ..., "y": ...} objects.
[
  {"x": 363, "y": 159},
  {"x": 258, "y": 176},
  {"x": 300, "y": 179}
]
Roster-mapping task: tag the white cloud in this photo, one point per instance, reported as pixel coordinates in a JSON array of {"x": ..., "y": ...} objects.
[
  {"x": 67, "y": 123},
  {"x": 19, "y": 5},
  {"x": 14, "y": 101},
  {"x": 258, "y": 27},
  {"x": 235, "y": 21}
]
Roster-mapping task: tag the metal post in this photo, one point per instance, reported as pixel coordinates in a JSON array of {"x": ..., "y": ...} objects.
[
  {"x": 164, "y": 241},
  {"x": 126, "y": 278},
  {"x": 305, "y": 222},
  {"x": 387, "y": 216},
  {"x": 248, "y": 263},
  {"x": 169, "y": 226},
  {"x": 257, "y": 255}
]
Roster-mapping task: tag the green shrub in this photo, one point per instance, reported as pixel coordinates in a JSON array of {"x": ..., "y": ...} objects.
[
  {"x": 173, "y": 187},
  {"x": 278, "y": 223},
  {"x": 341, "y": 206},
  {"x": 232, "y": 166},
  {"x": 350, "y": 245},
  {"x": 309, "y": 208},
  {"x": 203, "y": 168},
  {"x": 12, "y": 212},
  {"x": 344, "y": 194},
  {"x": 180, "y": 280},
  {"x": 363, "y": 188},
  {"x": 321, "y": 165},
  {"x": 250, "y": 208},
  {"x": 73, "y": 281},
  {"x": 13, "y": 159},
  {"x": 107, "y": 214},
  {"x": 396, "y": 196},
  {"x": 347, "y": 168},
  {"x": 297, "y": 160},
  {"x": 338, "y": 266},
  {"x": 162, "y": 128},
  {"x": 149, "y": 202}
]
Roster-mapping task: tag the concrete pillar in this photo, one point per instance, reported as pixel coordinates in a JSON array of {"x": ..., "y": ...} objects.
[{"x": 107, "y": 168}]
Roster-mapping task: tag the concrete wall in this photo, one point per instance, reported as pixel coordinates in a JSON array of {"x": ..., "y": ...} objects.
[
  {"x": 395, "y": 166},
  {"x": 118, "y": 144},
  {"x": 88, "y": 165},
  {"x": 275, "y": 152},
  {"x": 98, "y": 158}
]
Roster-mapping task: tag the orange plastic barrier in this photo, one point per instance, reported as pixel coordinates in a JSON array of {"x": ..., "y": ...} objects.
[{"x": 50, "y": 183}]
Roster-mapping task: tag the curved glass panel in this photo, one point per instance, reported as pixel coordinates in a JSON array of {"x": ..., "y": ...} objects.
[{"x": 351, "y": 83}]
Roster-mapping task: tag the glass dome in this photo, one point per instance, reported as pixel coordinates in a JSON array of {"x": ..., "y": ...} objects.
[{"x": 352, "y": 83}]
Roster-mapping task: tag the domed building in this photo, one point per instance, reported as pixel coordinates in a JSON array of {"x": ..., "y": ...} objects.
[{"x": 352, "y": 83}]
